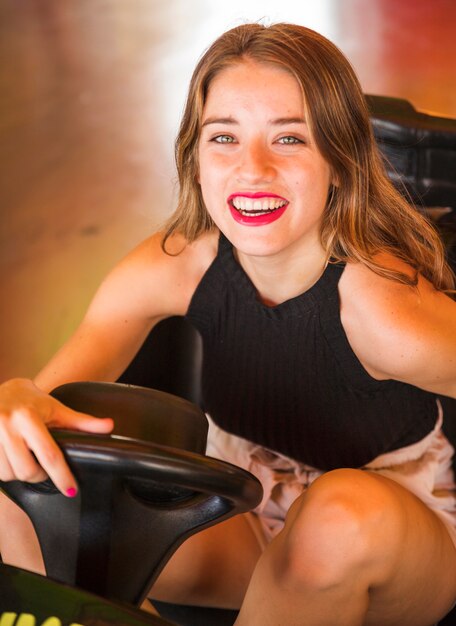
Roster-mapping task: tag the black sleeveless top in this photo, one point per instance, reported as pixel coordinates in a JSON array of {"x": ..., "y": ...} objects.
[{"x": 286, "y": 377}]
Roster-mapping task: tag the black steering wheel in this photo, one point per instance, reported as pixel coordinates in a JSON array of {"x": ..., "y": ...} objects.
[{"x": 138, "y": 499}]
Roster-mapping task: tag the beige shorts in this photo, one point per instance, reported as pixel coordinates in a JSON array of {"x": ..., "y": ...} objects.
[{"x": 424, "y": 468}]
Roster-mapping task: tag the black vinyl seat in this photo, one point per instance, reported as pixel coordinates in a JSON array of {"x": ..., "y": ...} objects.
[
  {"x": 420, "y": 158},
  {"x": 141, "y": 493},
  {"x": 420, "y": 149}
]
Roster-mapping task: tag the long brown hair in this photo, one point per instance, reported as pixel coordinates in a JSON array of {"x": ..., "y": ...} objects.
[{"x": 365, "y": 214}]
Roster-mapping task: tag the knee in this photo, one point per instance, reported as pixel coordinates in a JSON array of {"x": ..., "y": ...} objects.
[{"x": 338, "y": 529}]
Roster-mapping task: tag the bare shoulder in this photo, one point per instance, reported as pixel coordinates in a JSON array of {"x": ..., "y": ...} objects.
[
  {"x": 161, "y": 280},
  {"x": 176, "y": 256},
  {"x": 396, "y": 330},
  {"x": 367, "y": 292}
]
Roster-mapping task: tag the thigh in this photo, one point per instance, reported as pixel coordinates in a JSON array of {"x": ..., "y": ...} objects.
[
  {"x": 18, "y": 541},
  {"x": 213, "y": 567},
  {"x": 421, "y": 587}
]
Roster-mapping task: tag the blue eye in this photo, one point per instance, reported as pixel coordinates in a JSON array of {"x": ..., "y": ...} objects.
[
  {"x": 289, "y": 140},
  {"x": 223, "y": 139}
]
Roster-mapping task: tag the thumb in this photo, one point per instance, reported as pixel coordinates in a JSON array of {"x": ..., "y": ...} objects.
[
  {"x": 100, "y": 425},
  {"x": 75, "y": 420}
]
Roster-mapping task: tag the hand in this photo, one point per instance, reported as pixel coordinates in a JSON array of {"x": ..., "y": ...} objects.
[{"x": 27, "y": 450}]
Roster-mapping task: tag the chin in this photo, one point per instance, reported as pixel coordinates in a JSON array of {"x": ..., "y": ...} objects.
[{"x": 254, "y": 243}]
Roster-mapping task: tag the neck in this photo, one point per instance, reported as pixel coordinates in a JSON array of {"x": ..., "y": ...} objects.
[{"x": 277, "y": 279}]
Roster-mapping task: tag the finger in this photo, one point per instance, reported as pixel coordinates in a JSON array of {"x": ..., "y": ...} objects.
[
  {"x": 17, "y": 460},
  {"x": 51, "y": 458},
  {"x": 6, "y": 471},
  {"x": 23, "y": 464},
  {"x": 90, "y": 424},
  {"x": 64, "y": 417}
]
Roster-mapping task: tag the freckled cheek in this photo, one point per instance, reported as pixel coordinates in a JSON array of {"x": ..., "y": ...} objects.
[{"x": 311, "y": 179}]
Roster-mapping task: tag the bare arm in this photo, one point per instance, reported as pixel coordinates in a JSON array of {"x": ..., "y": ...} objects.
[
  {"x": 399, "y": 332},
  {"x": 129, "y": 302},
  {"x": 144, "y": 288}
]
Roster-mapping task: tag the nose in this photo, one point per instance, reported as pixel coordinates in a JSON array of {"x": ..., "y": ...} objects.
[{"x": 255, "y": 164}]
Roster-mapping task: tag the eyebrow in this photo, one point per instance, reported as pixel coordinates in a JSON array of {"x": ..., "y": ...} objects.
[
  {"x": 219, "y": 120},
  {"x": 280, "y": 121}
]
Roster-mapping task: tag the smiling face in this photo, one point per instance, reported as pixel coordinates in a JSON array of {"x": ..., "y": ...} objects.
[{"x": 263, "y": 180}]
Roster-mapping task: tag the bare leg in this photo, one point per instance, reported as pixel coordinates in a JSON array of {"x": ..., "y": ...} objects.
[
  {"x": 148, "y": 607},
  {"x": 213, "y": 567},
  {"x": 357, "y": 550},
  {"x": 18, "y": 542}
]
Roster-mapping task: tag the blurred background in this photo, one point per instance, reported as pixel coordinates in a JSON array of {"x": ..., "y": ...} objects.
[{"x": 91, "y": 94}]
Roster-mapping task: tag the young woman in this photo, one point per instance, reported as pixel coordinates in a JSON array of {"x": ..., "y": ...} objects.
[{"x": 323, "y": 302}]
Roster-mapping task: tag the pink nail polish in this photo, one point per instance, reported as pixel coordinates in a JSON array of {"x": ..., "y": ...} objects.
[{"x": 71, "y": 492}]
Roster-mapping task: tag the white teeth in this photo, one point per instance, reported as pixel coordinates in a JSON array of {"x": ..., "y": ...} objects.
[{"x": 258, "y": 206}]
